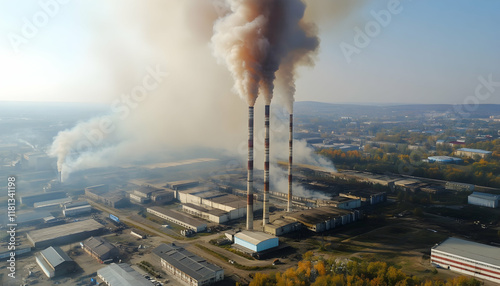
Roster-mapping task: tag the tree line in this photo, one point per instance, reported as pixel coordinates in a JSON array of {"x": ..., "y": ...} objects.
[{"x": 317, "y": 271}]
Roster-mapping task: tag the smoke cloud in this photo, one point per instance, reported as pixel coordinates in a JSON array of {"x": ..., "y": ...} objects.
[
  {"x": 194, "y": 107},
  {"x": 259, "y": 37}
]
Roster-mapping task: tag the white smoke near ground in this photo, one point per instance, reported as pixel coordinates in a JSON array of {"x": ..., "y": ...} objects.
[
  {"x": 193, "y": 107},
  {"x": 279, "y": 183}
]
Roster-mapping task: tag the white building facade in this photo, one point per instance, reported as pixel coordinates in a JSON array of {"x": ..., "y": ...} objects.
[{"x": 475, "y": 259}]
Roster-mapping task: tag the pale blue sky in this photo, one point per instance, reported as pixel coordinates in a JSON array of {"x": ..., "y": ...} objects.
[{"x": 430, "y": 52}]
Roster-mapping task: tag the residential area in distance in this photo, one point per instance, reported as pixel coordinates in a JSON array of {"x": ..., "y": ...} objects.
[{"x": 411, "y": 190}]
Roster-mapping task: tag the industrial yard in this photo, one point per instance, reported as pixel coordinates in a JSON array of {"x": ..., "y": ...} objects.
[
  {"x": 250, "y": 143},
  {"x": 368, "y": 226}
]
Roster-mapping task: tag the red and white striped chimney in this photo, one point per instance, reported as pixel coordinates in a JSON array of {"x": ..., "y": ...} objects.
[
  {"x": 250, "y": 170},
  {"x": 265, "y": 215},
  {"x": 290, "y": 159}
]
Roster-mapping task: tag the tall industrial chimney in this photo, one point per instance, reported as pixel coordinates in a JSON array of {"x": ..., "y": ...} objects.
[
  {"x": 290, "y": 159},
  {"x": 265, "y": 216},
  {"x": 250, "y": 170},
  {"x": 59, "y": 175}
]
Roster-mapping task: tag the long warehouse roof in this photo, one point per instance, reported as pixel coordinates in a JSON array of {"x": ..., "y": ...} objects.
[
  {"x": 192, "y": 265},
  {"x": 123, "y": 275},
  {"x": 254, "y": 237},
  {"x": 178, "y": 216},
  {"x": 471, "y": 250},
  {"x": 64, "y": 230}
]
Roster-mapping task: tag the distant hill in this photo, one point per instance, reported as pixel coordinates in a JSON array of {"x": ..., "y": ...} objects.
[{"x": 310, "y": 108}]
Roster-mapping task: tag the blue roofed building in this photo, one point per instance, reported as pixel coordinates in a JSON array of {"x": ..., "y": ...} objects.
[{"x": 444, "y": 160}]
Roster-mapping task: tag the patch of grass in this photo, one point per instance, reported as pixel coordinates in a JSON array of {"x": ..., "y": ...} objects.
[
  {"x": 236, "y": 264},
  {"x": 229, "y": 248},
  {"x": 467, "y": 213}
]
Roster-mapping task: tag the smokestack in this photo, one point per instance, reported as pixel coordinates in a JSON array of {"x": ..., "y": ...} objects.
[
  {"x": 59, "y": 174},
  {"x": 250, "y": 170},
  {"x": 265, "y": 216},
  {"x": 290, "y": 159}
]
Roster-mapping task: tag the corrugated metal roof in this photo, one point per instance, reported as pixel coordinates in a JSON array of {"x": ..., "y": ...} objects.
[
  {"x": 31, "y": 216},
  {"x": 474, "y": 150},
  {"x": 55, "y": 256},
  {"x": 51, "y": 202},
  {"x": 99, "y": 246},
  {"x": 216, "y": 212},
  {"x": 76, "y": 204},
  {"x": 471, "y": 250},
  {"x": 122, "y": 275},
  {"x": 192, "y": 265},
  {"x": 179, "y": 216},
  {"x": 64, "y": 230},
  {"x": 147, "y": 189},
  {"x": 485, "y": 196},
  {"x": 254, "y": 237}
]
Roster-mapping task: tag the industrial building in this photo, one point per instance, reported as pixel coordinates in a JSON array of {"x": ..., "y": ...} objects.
[
  {"x": 384, "y": 180},
  {"x": 29, "y": 218},
  {"x": 121, "y": 275},
  {"x": 236, "y": 207},
  {"x": 100, "y": 194},
  {"x": 5, "y": 252},
  {"x": 64, "y": 234},
  {"x": 214, "y": 215},
  {"x": 467, "y": 152},
  {"x": 462, "y": 187},
  {"x": 55, "y": 262},
  {"x": 31, "y": 199},
  {"x": 52, "y": 203},
  {"x": 344, "y": 202},
  {"x": 146, "y": 194},
  {"x": 178, "y": 218},
  {"x": 467, "y": 257},
  {"x": 444, "y": 160},
  {"x": 74, "y": 209},
  {"x": 181, "y": 185},
  {"x": 367, "y": 197},
  {"x": 255, "y": 241},
  {"x": 163, "y": 196},
  {"x": 137, "y": 233},
  {"x": 187, "y": 267},
  {"x": 484, "y": 199},
  {"x": 145, "y": 191},
  {"x": 324, "y": 218},
  {"x": 100, "y": 249},
  {"x": 134, "y": 198},
  {"x": 76, "y": 204},
  {"x": 282, "y": 226}
]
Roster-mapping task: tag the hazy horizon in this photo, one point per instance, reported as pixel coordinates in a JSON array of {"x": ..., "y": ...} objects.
[{"x": 418, "y": 51}]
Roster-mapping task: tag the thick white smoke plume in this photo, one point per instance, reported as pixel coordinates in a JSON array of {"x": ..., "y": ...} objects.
[{"x": 191, "y": 107}]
